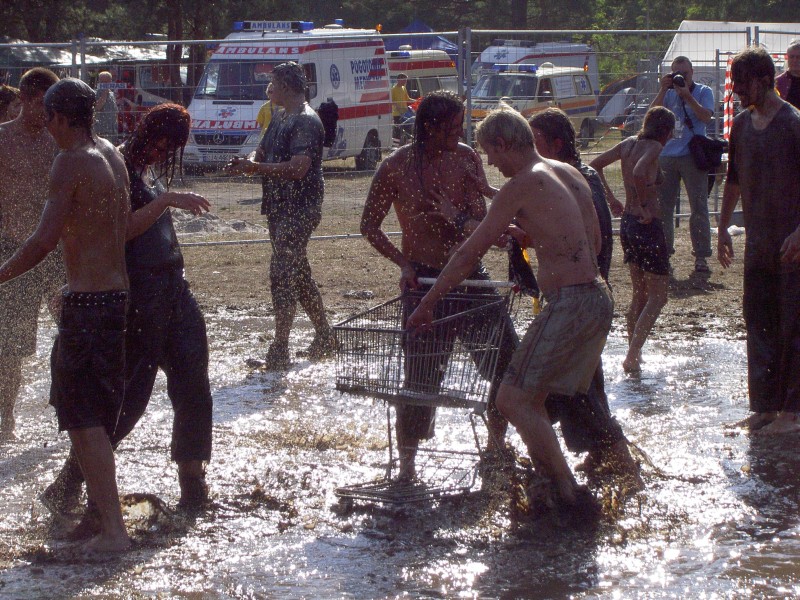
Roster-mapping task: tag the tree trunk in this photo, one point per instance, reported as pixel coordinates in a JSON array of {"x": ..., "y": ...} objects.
[
  {"x": 175, "y": 51},
  {"x": 519, "y": 14}
]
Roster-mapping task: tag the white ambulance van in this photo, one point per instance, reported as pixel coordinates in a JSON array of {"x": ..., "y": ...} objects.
[
  {"x": 533, "y": 88},
  {"x": 347, "y": 66},
  {"x": 561, "y": 54},
  {"x": 427, "y": 70}
]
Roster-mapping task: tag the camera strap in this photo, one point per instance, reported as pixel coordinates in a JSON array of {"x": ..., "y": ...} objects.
[{"x": 686, "y": 118}]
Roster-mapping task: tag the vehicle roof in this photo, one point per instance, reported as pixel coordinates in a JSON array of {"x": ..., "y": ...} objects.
[
  {"x": 301, "y": 37},
  {"x": 540, "y": 71}
]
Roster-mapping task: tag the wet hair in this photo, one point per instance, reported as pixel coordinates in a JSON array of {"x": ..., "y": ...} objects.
[
  {"x": 291, "y": 75},
  {"x": 36, "y": 81},
  {"x": 752, "y": 63},
  {"x": 73, "y": 99},
  {"x": 682, "y": 59},
  {"x": 507, "y": 124},
  {"x": 165, "y": 121},
  {"x": 555, "y": 124},
  {"x": 658, "y": 122},
  {"x": 436, "y": 109},
  {"x": 7, "y": 95}
]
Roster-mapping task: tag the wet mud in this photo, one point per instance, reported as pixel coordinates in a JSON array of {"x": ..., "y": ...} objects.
[{"x": 718, "y": 516}]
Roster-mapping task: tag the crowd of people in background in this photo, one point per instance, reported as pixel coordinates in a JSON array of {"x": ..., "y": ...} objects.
[{"x": 86, "y": 227}]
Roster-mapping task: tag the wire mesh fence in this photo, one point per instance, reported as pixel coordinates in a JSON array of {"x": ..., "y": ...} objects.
[{"x": 604, "y": 79}]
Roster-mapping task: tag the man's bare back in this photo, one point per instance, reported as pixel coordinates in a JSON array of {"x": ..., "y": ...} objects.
[
  {"x": 25, "y": 161},
  {"x": 95, "y": 180},
  {"x": 428, "y": 237},
  {"x": 641, "y": 176},
  {"x": 553, "y": 203}
]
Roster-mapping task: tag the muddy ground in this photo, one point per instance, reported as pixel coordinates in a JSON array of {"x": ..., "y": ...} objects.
[
  {"x": 235, "y": 276},
  {"x": 709, "y": 522}
]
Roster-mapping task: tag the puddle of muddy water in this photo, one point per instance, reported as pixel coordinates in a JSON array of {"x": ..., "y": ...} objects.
[{"x": 719, "y": 516}]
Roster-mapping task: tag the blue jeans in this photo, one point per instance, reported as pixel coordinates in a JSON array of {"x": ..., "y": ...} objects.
[{"x": 677, "y": 168}]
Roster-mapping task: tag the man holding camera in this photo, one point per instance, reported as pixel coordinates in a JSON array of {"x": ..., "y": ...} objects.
[{"x": 693, "y": 105}]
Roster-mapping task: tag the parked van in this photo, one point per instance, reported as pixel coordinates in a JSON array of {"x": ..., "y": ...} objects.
[
  {"x": 560, "y": 54},
  {"x": 347, "y": 66},
  {"x": 533, "y": 88},
  {"x": 427, "y": 70}
]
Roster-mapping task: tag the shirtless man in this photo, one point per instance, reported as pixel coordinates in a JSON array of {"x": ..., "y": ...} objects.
[
  {"x": 87, "y": 210},
  {"x": 641, "y": 232},
  {"x": 552, "y": 202},
  {"x": 435, "y": 186},
  {"x": 26, "y": 155},
  {"x": 763, "y": 168}
]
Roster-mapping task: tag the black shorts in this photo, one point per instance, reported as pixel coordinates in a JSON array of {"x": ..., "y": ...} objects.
[
  {"x": 88, "y": 360},
  {"x": 644, "y": 245}
]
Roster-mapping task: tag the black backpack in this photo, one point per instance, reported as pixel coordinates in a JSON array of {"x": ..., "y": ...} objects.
[{"x": 329, "y": 115}]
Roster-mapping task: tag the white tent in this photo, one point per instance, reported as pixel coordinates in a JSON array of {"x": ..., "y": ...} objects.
[{"x": 709, "y": 44}]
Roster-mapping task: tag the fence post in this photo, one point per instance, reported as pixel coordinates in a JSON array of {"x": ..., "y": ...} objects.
[
  {"x": 83, "y": 57},
  {"x": 466, "y": 77},
  {"x": 74, "y": 68}
]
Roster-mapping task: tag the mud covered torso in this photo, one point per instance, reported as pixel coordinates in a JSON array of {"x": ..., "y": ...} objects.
[
  {"x": 766, "y": 165},
  {"x": 157, "y": 249},
  {"x": 287, "y": 136}
]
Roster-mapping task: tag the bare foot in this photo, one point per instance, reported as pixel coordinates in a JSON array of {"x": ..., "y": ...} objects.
[
  {"x": 616, "y": 460},
  {"x": 105, "y": 543},
  {"x": 407, "y": 471},
  {"x": 631, "y": 365},
  {"x": 756, "y": 421},
  {"x": 567, "y": 489},
  {"x": 785, "y": 422}
]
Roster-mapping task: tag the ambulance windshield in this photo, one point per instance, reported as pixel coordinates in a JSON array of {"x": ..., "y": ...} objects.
[
  {"x": 505, "y": 85},
  {"x": 232, "y": 80}
]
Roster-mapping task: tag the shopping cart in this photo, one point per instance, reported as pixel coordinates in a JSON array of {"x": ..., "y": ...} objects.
[{"x": 452, "y": 365}]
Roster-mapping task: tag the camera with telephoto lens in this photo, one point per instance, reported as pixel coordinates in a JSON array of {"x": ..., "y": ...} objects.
[{"x": 678, "y": 80}]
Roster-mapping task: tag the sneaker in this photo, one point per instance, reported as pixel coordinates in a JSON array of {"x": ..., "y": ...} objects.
[
  {"x": 277, "y": 358},
  {"x": 701, "y": 266},
  {"x": 320, "y": 347},
  {"x": 194, "y": 492}
]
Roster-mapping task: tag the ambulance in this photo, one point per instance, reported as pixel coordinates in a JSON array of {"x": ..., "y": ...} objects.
[
  {"x": 427, "y": 70},
  {"x": 561, "y": 54},
  {"x": 532, "y": 88},
  {"x": 346, "y": 66}
]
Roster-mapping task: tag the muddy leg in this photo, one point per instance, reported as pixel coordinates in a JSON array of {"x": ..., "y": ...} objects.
[
  {"x": 10, "y": 381},
  {"x": 528, "y": 414},
  {"x": 96, "y": 458},
  {"x": 656, "y": 293}
]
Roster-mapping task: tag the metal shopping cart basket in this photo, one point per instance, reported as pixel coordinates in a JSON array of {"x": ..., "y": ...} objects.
[{"x": 450, "y": 365}]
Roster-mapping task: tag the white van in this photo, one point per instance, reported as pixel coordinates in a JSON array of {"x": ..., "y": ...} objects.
[
  {"x": 427, "y": 70},
  {"x": 533, "y": 88},
  {"x": 560, "y": 54},
  {"x": 347, "y": 66}
]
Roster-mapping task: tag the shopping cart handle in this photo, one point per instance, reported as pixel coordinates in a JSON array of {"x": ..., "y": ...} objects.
[{"x": 480, "y": 283}]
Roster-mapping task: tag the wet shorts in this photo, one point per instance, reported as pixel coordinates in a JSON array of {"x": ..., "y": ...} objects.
[
  {"x": 562, "y": 347},
  {"x": 644, "y": 245},
  {"x": 21, "y": 298},
  {"x": 88, "y": 360}
]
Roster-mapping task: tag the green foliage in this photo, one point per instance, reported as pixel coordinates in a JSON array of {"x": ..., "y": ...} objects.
[{"x": 57, "y": 20}]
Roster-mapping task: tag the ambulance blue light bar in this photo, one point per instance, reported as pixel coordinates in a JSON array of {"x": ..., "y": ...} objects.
[
  {"x": 516, "y": 68},
  {"x": 273, "y": 26}
]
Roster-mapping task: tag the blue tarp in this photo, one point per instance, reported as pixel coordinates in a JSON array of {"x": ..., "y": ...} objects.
[{"x": 421, "y": 42}]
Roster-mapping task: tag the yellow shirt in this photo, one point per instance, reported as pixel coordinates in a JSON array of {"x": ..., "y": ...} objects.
[
  {"x": 400, "y": 100},
  {"x": 264, "y": 116}
]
